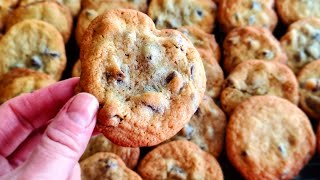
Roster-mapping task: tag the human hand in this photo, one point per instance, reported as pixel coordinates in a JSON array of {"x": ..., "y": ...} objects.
[{"x": 44, "y": 133}]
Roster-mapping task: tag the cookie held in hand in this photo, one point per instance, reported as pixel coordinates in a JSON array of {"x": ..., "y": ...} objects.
[{"x": 148, "y": 82}]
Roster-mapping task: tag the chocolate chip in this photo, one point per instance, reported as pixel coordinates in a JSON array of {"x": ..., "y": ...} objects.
[
  {"x": 171, "y": 76},
  {"x": 244, "y": 154},
  {"x": 187, "y": 131},
  {"x": 149, "y": 57},
  {"x": 282, "y": 150},
  {"x": 53, "y": 54},
  {"x": 316, "y": 36},
  {"x": 199, "y": 12},
  {"x": 192, "y": 71},
  {"x": 198, "y": 112},
  {"x": 110, "y": 164},
  {"x": 177, "y": 170},
  {"x": 267, "y": 54},
  {"x": 36, "y": 62},
  {"x": 154, "y": 108}
]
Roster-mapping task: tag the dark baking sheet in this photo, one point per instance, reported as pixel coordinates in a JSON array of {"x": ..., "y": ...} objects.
[{"x": 310, "y": 172}]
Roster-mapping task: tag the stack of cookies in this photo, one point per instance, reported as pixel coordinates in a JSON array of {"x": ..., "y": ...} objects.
[{"x": 184, "y": 87}]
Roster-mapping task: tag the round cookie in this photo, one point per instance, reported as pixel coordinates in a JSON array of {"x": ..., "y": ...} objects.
[
  {"x": 99, "y": 143},
  {"x": 141, "y": 5},
  {"x": 269, "y": 138},
  {"x": 179, "y": 160},
  {"x": 206, "y": 128},
  {"x": 205, "y": 43},
  {"x": 246, "y": 43},
  {"x": 148, "y": 82},
  {"x": 172, "y": 14},
  {"x": 20, "y": 80},
  {"x": 240, "y": 13},
  {"x": 210, "y": 53},
  {"x": 309, "y": 80},
  {"x": 256, "y": 77},
  {"x": 302, "y": 43},
  {"x": 33, "y": 44},
  {"x": 50, "y": 12},
  {"x": 91, "y": 12},
  {"x": 105, "y": 165},
  {"x": 76, "y": 70},
  {"x": 293, "y": 10},
  {"x": 73, "y": 5}
]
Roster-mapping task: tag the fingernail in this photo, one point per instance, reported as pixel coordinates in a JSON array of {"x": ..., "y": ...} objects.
[{"x": 82, "y": 109}]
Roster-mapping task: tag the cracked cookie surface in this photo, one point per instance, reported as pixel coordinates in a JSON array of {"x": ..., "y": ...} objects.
[
  {"x": 33, "y": 44},
  {"x": 302, "y": 43},
  {"x": 246, "y": 43},
  {"x": 309, "y": 81},
  {"x": 179, "y": 160},
  {"x": 172, "y": 14},
  {"x": 206, "y": 128},
  {"x": 148, "y": 82},
  {"x": 256, "y": 77},
  {"x": 105, "y": 165},
  {"x": 239, "y": 13},
  {"x": 269, "y": 138}
]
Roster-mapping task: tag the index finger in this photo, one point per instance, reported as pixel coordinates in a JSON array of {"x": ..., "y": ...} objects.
[{"x": 21, "y": 115}]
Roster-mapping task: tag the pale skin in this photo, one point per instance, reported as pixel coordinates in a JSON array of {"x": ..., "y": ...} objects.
[{"x": 44, "y": 133}]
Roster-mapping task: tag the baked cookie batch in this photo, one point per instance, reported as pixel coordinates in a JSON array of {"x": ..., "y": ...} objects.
[{"x": 180, "y": 83}]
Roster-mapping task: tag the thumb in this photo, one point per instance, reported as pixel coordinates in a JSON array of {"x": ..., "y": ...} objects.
[{"x": 64, "y": 140}]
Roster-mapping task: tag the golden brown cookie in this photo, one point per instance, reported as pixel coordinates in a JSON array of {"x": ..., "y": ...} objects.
[
  {"x": 205, "y": 43},
  {"x": 20, "y": 80},
  {"x": 73, "y": 5},
  {"x": 105, "y": 165},
  {"x": 269, "y": 138},
  {"x": 76, "y": 70},
  {"x": 179, "y": 160},
  {"x": 141, "y": 5},
  {"x": 148, "y": 82},
  {"x": 172, "y": 14},
  {"x": 33, "y": 44},
  {"x": 302, "y": 43},
  {"x": 293, "y": 10},
  {"x": 91, "y": 12},
  {"x": 256, "y": 77},
  {"x": 240, "y": 13},
  {"x": 309, "y": 81},
  {"x": 99, "y": 143},
  {"x": 50, "y": 12},
  {"x": 206, "y": 128},
  {"x": 246, "y": 43},
  {"x": 210, "y": 54}
]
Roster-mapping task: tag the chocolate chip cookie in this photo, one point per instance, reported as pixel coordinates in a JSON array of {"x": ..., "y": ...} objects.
[
  {"x": 240, "y": 13},
  {"x": 91, "y": 12},
  {"x": 141, "y": 5},
  {"x": 33, "y": 44},
  {"x": 99, "y": 143},
  {"x": 73, "y": 5},
  {"x": 294, "y": 10},
  {"x": 246, "y": 43},
  {"x": 302, "y": 43},
  {"x": 50, "y": 12},
  {"x": 148, "y": 82},
  {"x": 210, "y": 54},
  {"x": 309, "y": 81},
  {"x": 256, "y": 77},
  {"x": 269, "y": 138},
  {"x": 76, "y": 70},
  {"x": 172, "y": 14},
  {"x": 206, "y": 128},
  {"x": 179, "y": 160},
  {"x": 105, "y": 165},
  {"x": 20, "y": 80}
]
